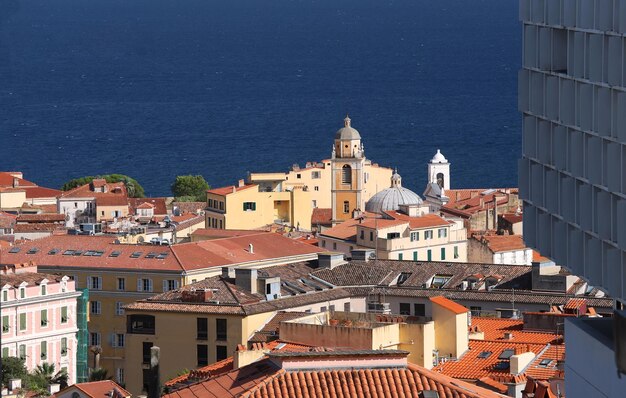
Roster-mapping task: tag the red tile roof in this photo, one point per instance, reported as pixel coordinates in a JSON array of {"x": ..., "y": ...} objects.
[
  {"x": 425, "y": 221},
  {"x": 98, "y": 389},
  {"x": 264, "y": 379},
  {"x": 321, "y": 216},
  {"x": 495, "y": 328},
  {"x": 471, "y": 205},
  {"x": 380, "y": 223},
  {"x": 144, "y": 203},
  {"x": 502, "y": 243},
  {"x": 222, "y": 233},
  {"x": 115, "y": 191},
  {"x": 45, "y": 217},
  {"x": 6, "y": 180},
  {"x": 449, "y": 304},
  {"x": 223, "y": 191},
  {"x": 41, "y": 192},
  {"x": 513, "y": 218},
  {"x": 36, "y": 227}
]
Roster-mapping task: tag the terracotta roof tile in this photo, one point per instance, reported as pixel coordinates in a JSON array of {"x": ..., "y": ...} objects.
[
  {"x": 31, "y": 278},
  {"x": 223, "y": 191},
  {"x": 97, "y": 389},
  {"x": 45, "y": 217},
  {"x": 158, "y": 204},
  {"x": 6, "y": 180},
  {"x": 495, "y": 328},
  {"x": 41, "y": 192},
  {"x": 321, "y": 216},
  {"x": 502, "y": 243},
  {"x": 425, "y": 221},
  {"x": 449, "y": 304},
  {"x": 190, "y": 207}
]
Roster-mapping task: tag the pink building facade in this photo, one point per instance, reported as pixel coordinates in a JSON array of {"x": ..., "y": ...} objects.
[{"x": 39, "y": 320}]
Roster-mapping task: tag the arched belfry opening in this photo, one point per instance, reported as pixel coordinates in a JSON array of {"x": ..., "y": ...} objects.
[{"x": 346, "y": 174}]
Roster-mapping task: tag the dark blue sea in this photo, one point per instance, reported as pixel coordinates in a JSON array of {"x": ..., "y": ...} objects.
[{"x": 157, "y": 88}]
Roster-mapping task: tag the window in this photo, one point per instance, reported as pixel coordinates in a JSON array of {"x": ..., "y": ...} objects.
[
  {"x": 44, "y": 318},
  {"x": 118, "y": 340},
  {"x": 403, "y": 277},
  {"x": 5, "y": 352},
  {"x": 316, "y": 188},
  {"x": 346, "y": 174},
  {"x": 170, "y": 284},
  {"x": 121, "y": 283},
  {"x": 428, "y": 234},
  {"x": 314, "y": 203},
  {"x": 420, "y": 309},
  {"x": 400, "y": 256},
  {"x": 22, "y": 292},
  {"x": 210, "y": 202},
  {"x": 118, "y": 308},
  {"x": 475, "y": 310},
  {"x": 220, "y": 329},
  {"x": 63, "y": 346},
  {"x": 362, "y": 235},
  {"x": 221, "y": 205},
  {"x": 405, "y": 309},
  {"x": 202, "y": 328},
  {"x": 415, "y": 236},
  {"x": 442, "y": 233},
  {"x": 393, "y": 235},
  {"x": 44, "y": 350},
  {"x": 63, "y": 314},
  {"x": 94, "y": 282},
  {"x": 443, "y": 253},
  {"x": 119, "y": 374},
  {"x": 22, "y": 353},
  {"x": 140, "y": 324},
  {"x": 315, "y": 174},
  {"x": 429, "y": 255},
  {"x": 334, "y": 245},
  {"x": 485, "y": 354},
  {"x": 221, "y": 352},
  {"x": 146, "y": 348},
  {"x": 94, "y": 338},
  {"x": 202, "y": 354},
  {"x": 298, "y": 176},
  {"x": 5, "y": 323},
  {"x": 456, "y": 252},
  {"x": 506, "y": 354},
  {"x": 144, "y": 285},
  {"x": 371, "y": 236},
  {"x": 415, "y": 256},
  {"x": 323, "y": 243},
  {"x": 346, "y": 307},
  {"x": 23, "y": 321},
  {"x": 439, "y": 281},
  {"x": 5, "y": 295},
  {"x": 95, "y": 307},
  {"x": 346, "y": 207},
  {"x": 545, "y": 362},
  {"x": 43, "y": 290},
  {"x": 249, "y": 206}
]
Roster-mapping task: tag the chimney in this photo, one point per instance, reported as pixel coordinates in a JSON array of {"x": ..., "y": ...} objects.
[
  {"x": 251, "y": 248},
  {"x": 154, "y": 383},
  {"x": 519, "y": 362},
  {"x": 16, "y": 182},
  {"x": 458, "y": 196},
  {"x": 495, "y": 212},
  {"x": 241, "y": 183},
  {"x": 245, "y": 357},
  {"x": 246, "y": 279},
  {"x": 54, "y": 388},
  {"x": 234, "y": 189},
  {"x": 15, "y": 384},
  {"x": 482, "y": 202},
  {"x": 330, "y": 260}
]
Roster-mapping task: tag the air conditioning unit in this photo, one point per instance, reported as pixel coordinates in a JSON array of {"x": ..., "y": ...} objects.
[{"x": 473, "y": 285}]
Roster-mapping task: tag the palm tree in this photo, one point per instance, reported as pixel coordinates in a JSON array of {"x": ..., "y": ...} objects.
[{"x": 99, "y": 374}]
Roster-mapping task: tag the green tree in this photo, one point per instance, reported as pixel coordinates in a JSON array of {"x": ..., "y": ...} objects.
[
  {"x": 99, "y": 374},
  {"x": 190, "y": 188},
  {"x": 13, "y": 368},
  {"x": 135, "y": 190},
  {"x": 44, "y": 375}
]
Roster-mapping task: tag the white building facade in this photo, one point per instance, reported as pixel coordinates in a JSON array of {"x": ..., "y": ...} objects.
[{"x": 572, "y": 93}]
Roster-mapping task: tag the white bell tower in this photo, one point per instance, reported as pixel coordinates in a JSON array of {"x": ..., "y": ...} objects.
[{"x": 439, "y": 170}]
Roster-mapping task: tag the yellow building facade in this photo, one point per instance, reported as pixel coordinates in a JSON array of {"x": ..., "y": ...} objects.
[{"x": 343, "y": 183}]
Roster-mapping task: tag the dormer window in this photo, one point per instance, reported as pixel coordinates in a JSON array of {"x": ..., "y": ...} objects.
[
  {"x": 43, "y": 289},
  {"x": 403, "y": 277},
  {"x": 439, "y": 281}
]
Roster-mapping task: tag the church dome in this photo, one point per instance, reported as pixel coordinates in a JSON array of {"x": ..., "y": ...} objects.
[
  {"x": 439, "y": 158},
  {"x": 391, "y": 198},
  {"x": 347, "y": 132}
]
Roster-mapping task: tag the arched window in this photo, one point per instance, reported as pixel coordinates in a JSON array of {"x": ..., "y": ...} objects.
[
  {"x": 440, "y": 179},
  {"x": 346, "y": 174}
]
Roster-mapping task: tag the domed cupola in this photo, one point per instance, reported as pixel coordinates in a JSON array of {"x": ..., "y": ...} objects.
[
  {"x": 347, "y": 132},
  {"x": 391, "y": 198},
  {"x": 439, "y": 158}
]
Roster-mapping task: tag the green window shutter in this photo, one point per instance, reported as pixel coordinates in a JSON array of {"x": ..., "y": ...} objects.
[
  {"x": 63, "y": 314},
  {"x": 44, "y": 350},
  {"x": 64, "y": 346},
  {"x": 23, "y": 321},
  {"x": 22, "y": 351},
  {"x": 414, "y": 256},
  {"x": 443, "y": 253},
  {"x": 400, "y": 256},
  {"x": 44, "y": 317},
  {"x": 430, "y": 255},
  {"x": 5, "y": 352},
  {"x": 5, "y": 323}
]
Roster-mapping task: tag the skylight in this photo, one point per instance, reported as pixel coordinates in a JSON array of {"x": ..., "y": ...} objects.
[
  {"x": 68, "y": 252},
  {"x": 53, "y": 251},
  {"x": 485, "y": 354},
  {"x": 15, "y": 250},
  {"x": 161, "y": 256},
  {"x": 136, "y": 255},
  {"x": 78, "y": 252},
  {"x": 506, "y": 354},
  {"x": 439, "y": 281},
  {"x": 545, "y": 362},
  {"x": 151, "y": 255},
  {"x": 502, "y": 365},
  {"x": 33, "y": 250},
  {"x": 115, "y": 253}
]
